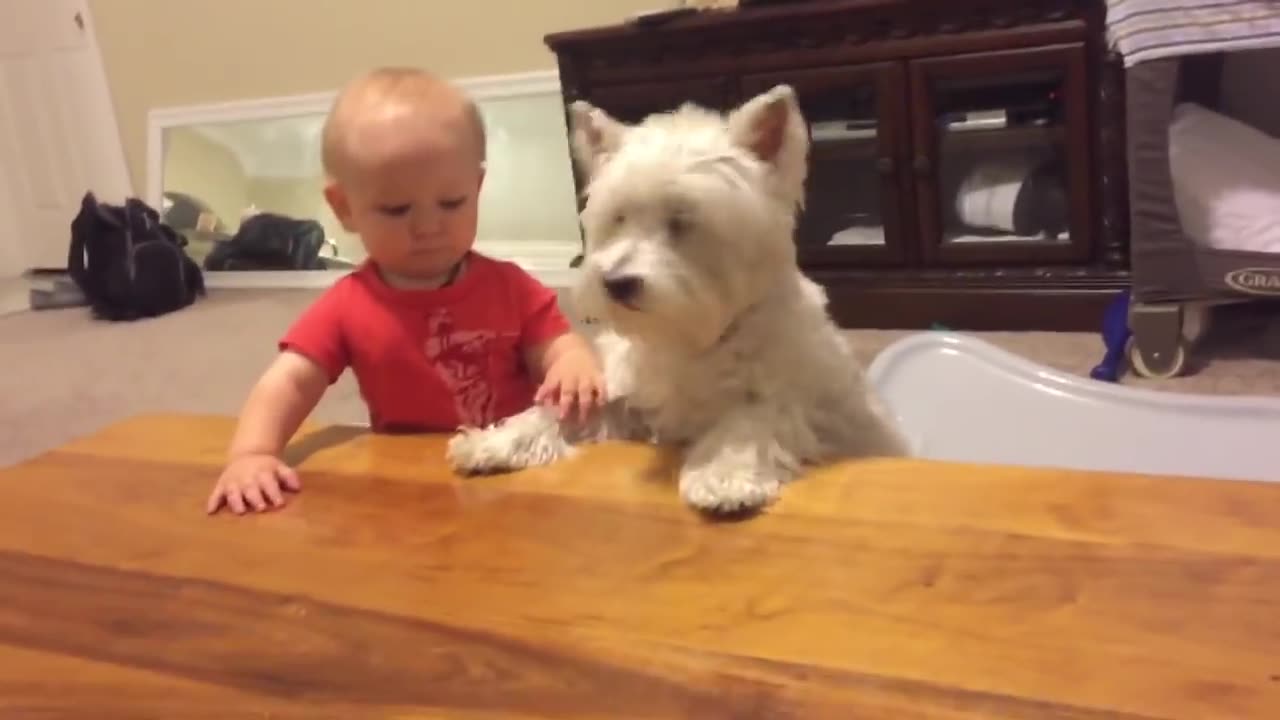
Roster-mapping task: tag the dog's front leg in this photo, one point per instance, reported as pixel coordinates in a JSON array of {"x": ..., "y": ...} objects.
[
  {"x": 737, "y": 465},
  {"x": 533, "y": 437}
]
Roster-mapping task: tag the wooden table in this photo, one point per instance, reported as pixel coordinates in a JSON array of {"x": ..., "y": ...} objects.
[{"x": 389, "y": 588}]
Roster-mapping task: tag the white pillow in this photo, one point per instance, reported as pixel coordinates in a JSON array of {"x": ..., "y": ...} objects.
[{"x": 1226, "y": 180}]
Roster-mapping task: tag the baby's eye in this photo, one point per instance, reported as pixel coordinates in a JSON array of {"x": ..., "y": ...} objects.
[
  {"x": 453, "y": 203},
  {"x": 395, "y": 210}
]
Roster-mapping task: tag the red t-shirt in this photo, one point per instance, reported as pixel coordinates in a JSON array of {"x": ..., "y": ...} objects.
[{"x": 432, "y": 360}]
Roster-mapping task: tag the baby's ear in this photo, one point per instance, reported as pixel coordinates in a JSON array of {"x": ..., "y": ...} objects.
[
  {"x": 338, "y": 203},
  {"x": 595, "y": 136}
]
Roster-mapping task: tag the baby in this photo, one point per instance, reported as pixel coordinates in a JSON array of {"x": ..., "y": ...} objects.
[{"x": 438, "y": 335}]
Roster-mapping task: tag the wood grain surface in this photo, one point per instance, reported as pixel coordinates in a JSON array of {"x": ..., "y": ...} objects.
[{"x": 391, "y": 589}]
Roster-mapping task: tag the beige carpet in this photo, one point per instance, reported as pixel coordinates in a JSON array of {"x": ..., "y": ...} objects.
[
  {"x": 66, "y": 375},
  {"x": 13, "y": 295}
]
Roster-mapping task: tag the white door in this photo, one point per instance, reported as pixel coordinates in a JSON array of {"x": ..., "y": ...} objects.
[{"x": 58, "y": 132}]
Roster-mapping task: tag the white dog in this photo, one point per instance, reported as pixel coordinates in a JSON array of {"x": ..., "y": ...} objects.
[{"x": 713, "y": 340}]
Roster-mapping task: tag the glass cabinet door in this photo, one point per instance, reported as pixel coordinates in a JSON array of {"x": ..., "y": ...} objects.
[
  {"x": 853, "y": 212},
  {"x": 1001, "y": 156}
]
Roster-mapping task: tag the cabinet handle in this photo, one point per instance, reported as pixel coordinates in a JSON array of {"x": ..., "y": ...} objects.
[
  {"x": 885, "y": 165},
  {"x": 922, "y": 165}
]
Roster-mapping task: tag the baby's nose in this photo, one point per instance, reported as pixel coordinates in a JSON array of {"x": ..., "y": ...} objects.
[{"x": 427, "y": 222}]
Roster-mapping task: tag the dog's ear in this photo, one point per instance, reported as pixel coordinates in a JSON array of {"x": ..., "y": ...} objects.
[
  {"x": 594, "y": 135},
  {"x": 770, "y": 124},
  {"x": 772, "y": 127}
]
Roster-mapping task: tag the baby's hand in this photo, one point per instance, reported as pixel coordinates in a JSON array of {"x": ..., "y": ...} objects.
[
  {"x": 575, "y": 379},
  {"x": 254, "y": 482}
]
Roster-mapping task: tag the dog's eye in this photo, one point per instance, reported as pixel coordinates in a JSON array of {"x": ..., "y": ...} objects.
[{"x": 677, "y": 226}]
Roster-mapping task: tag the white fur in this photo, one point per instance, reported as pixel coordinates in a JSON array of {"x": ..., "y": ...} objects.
[{"x": 726, "y": 350}]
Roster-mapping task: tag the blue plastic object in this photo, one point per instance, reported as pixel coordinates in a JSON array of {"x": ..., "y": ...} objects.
[{"x": 1115, "y": 336}]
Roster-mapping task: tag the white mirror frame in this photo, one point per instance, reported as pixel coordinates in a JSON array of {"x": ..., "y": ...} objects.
[{"x": 547, "y": 261}]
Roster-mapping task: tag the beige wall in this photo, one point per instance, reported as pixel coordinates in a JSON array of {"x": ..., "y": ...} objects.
[{"x": 179, "y": 52}]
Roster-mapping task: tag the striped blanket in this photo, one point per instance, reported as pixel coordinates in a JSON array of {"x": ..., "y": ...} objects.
[{"x": 1150, "y": 29}]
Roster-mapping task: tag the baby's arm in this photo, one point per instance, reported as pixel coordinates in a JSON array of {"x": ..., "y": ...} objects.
[
  {"x": 571, "y": 374},
  {"x": 283, "y": 397}
]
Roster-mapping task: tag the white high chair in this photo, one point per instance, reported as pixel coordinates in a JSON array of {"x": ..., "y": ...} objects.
[{"x": 960, "y": 398}]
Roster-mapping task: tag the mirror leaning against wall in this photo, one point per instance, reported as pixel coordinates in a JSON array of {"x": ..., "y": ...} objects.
[{"x": 261, "y": 176}]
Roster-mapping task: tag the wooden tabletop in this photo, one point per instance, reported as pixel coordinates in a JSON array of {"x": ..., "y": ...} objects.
[{"x": 389, "y": 588}]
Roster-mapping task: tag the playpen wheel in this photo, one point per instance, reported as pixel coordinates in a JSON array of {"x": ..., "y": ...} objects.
[{"x": 1157, "y": 368}]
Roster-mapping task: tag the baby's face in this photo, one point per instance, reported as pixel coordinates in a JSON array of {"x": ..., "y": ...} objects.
[{"x": 413, "y": 197}]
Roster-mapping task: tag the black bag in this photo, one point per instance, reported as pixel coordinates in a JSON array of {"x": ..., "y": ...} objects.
[
  {"x": 128, "y": 264},
  {"x": 269, "y": 241}
]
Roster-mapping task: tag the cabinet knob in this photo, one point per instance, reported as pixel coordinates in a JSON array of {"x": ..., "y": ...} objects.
[
  {"x": 922, "y": 165},
  {"x": 885, "y": 165}
]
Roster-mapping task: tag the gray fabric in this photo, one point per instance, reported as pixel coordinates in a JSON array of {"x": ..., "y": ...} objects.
[{"x": 1167, "y": 265}]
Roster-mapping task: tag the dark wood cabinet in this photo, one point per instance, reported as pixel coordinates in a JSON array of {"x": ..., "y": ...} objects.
[
  {"x": 631, "y": 102},
  {"x": 857, "y": 209},
  {"x": 1052, "y": 78},
  {"x": 966, "y": 162}
]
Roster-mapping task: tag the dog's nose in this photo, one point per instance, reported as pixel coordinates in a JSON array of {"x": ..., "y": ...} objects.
[{"x": 623, "y": 288}]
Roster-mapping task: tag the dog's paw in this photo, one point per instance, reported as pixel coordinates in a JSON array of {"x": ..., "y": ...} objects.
[
  {"x": 522, "y": 441},
  {"x": 727, "y": 490},
  {"x": 476, "y": 451}
]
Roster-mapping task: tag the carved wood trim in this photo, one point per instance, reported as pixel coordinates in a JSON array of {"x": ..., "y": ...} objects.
[
  {"x": 718, "y": 35},
  {"x": 1113, "y": 170}
]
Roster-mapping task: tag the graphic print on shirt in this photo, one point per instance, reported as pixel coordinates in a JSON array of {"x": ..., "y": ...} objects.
[{"x": 462, "y": 359}]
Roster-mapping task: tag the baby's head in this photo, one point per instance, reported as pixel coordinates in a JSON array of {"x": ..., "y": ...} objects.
[{"x": 404, "y": 154}]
